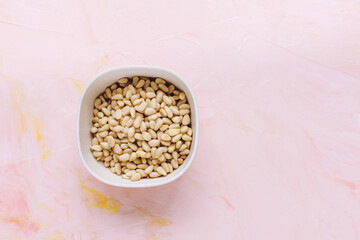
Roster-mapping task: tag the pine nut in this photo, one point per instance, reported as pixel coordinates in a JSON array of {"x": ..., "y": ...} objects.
[
  {"x": 154, "y": 175},
  {"x": 131, "y": 166},
  {"x": 111, "y": 141},
  {"x": 174, "y": 163},
  {"x": 165, "y": 167},
  {"x": 173, "y": 132},
  {"x": 161, "y": 171},
  {"x": 165, "y": 137},
  {"x": 149, "y": 169},
  {"x": 154, "y": 143},
  {"x": 184, "y": 111},
  {"x": 124, "y": 157},
  {"x": 186, "y": 138}
]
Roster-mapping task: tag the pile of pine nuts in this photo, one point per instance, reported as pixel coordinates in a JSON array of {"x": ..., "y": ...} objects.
[{"x": 141, "y": 128}]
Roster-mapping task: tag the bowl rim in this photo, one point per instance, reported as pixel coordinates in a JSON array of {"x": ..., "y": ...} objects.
[{"x": 196, "y": 132}]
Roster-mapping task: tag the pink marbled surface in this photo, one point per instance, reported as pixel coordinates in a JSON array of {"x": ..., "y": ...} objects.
[{"x": 278, "y": 88}]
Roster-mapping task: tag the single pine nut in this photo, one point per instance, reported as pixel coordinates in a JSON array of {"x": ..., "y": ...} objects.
[
  {"x": 142, "y": 166},
  {"x": 142, "y": 172},
  {"x": 161, "y": 171},
  {"x": 165, "y": 167},
  {"x": 117, "y": 129},
  {"x": 97, "y": 103},
  {"x": 106, "y": 153},
  {"x": 158, "y": 153},
  {"x": 146, "y": 136},
  {"x": 173, "y": 132},
  {"x": 189, "y": 132},
  {"x": 104, "y": 128},
  {"x": 165, "y": 137},
  {"x": 171, "y": 148},
  {"x": 171, "y": 169},
  {"x": 152, "y": 124},
  {"x": 174, "y": 164},
  {"x": 117, "y": 97},
  {"x": 131, "y": 132},
  {"x": 130, "y": 122},
  {"x": 176, "y": 138},
  {"x": 184, "y": 111},
  {"x": 137, "y": 102},
  {"x": 130, "y": 173},
  {"x": 152, "y": 133},
  {"x": 105, "y": 145},
  {"x": 140, "y": 84},
  {"x": 182, "y": 96},
  {"x": 169, "y": 113},
  {"x": 135, "y": 80},
  {"x": 140, "y": 108},
  {"x": 159, "y": 96},
  {"x": 154, "y": 86},
  {"x": 118, "y": 168},
  {"x": 153, "y": 117},
  {"x": 154, "y": 175},
  {"x": 184, "y": 129},
  {"x": 150, "y": 95},
  {"x": 158, "y": 124},
  {"x": 171, "y": 88},
  {"x": 167, "y": 121},
  {"x": 178, "y": 144},
  {"x": 182, "y": 148},
  {"x": 97, "y": 154},
  {"x": 149, "y": 111},
  {"x": 123, "y": 80},
  {"x": 140, "y": 153},
  {"x": 185, "y": 152},
  {"x": 143, "y": 127},
  {"x": 137, "y": 122},
  {"x": 124, "y": 157},
  {"x": 112, "y": 163},
  {"x": 111, "y": 141},
  {"x": 149, "y": 169},
  {"x": 131, "y": 166},
  {"x": 154, "y": 143},
  {"x": 163, "y": 87},
  {"x": 174, "y": 110},
  {"x": 176, "y": 119},
  {"x": 96, "y": 148},
  {"x": 94, "y": 142},
  {"x": 106, "y": 111},
  {"x": 145, "y": 146},
  {"x": 104, "y": 134},
  {"x": 186, "y": 138},
  {"x": 133, "y": 146}
]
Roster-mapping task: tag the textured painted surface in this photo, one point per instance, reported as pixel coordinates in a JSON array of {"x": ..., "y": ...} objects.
[{"x": 278, "y": 88}]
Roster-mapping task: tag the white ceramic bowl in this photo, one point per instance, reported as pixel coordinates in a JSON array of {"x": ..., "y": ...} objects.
[{"x": 85, "y": 115}]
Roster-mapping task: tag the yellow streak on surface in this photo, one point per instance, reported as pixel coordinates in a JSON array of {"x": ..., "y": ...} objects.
[
  {"x": 78, "y": 86},
  {"x": 45, "y": 207},
  {"x": 160, "y": 222},
  {"x": 56, "y": 236},
  {"x": 39, "y": 135},
  {"x": 97, "y": 199},
  {"x": 17, "y": 95}
]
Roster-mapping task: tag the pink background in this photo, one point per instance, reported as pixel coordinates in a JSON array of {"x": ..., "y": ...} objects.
[{"x": 278, "y": 89}]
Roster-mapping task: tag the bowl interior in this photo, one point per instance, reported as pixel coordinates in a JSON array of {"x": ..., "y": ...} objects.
[{"x": 85, "y": 115}]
